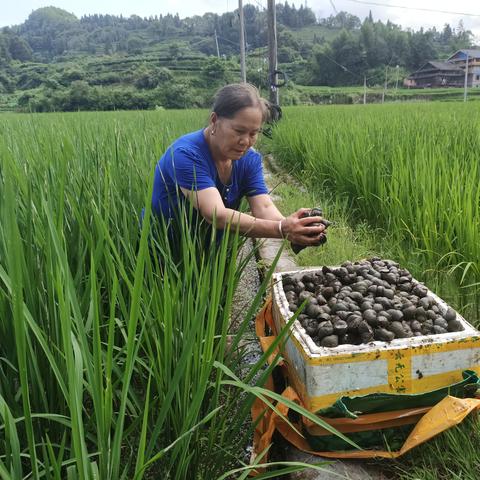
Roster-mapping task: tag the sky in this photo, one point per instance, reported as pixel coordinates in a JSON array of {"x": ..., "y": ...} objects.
[{"x": 13, "y": 13}]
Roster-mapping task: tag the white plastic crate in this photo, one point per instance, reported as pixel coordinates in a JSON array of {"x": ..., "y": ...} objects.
[{"x": 410, "y": 365}]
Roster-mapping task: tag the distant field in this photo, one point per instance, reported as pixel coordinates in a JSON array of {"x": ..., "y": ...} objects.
[{"x": 323, "y": 94}]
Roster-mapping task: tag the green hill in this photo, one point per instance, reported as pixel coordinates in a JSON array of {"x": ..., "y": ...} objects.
[{"x": 56, "y": 61}]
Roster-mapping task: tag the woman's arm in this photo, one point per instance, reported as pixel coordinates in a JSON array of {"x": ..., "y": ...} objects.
[
  {"x": 262, "y": 206},
  {"x": 298, "y": 230}
]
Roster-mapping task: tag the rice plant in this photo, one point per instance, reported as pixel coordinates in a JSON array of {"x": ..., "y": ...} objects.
[
  {"x": 411, "y": 170},
  {"x": 113, "y": 361}
]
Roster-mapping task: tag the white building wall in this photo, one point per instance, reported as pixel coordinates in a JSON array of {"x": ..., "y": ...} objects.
[{"x": 475, "y": 76}]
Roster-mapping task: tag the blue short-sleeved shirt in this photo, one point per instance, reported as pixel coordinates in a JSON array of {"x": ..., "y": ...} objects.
[{"x": 187, "y": 163}]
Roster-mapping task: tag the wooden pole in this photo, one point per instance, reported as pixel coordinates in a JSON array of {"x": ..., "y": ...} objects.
[
  {"x": 466, "y": 81},
  {"x": 216, "y": 43},
  {"x": 364, "y": 89},
  {"x": 272, "y": 51},
  {"x": 243, "y": 69},
  {"x": 385, "y": 85}
]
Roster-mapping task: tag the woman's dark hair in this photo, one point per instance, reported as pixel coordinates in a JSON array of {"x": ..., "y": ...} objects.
[{"x": 234, "y": 97}]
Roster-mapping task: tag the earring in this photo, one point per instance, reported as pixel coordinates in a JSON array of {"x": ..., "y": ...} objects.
[{"x": 212, "y": 131}]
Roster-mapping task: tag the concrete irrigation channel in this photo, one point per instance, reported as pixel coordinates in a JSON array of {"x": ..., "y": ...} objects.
[{"x": 267, "y": 251}]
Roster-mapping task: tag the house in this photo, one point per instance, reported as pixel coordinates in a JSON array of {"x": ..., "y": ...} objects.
[
  {"x": 438, "y": 74},
  {"x": 450, "y": 73},
  {"x": 459, "y": 58}
]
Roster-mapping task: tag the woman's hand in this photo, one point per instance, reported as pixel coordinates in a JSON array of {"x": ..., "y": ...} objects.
[{"x": 303, "y": 230}]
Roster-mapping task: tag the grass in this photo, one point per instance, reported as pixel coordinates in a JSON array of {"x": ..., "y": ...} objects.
[{"x": 450, "y": 456}]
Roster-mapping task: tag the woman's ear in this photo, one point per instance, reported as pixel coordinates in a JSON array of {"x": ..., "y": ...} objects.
[{"x": 213, "y": 122}]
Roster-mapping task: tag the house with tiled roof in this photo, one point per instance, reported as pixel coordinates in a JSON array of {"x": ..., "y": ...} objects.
[
  {"x": 459, "y": 58},
  {"x": 450, "y": 73}
]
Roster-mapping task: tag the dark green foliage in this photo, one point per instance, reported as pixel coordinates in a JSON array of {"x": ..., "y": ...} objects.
[
  {"x": 291, "y": 17},
  {"x": 135, "y": 44},
  {"x": 19, "y": 49},
  {"x": 216, "y": 71},
  {"x": 6, "y": 85},
  {"x": 342, "y": 20},
  {"x": 148, "y": 61},
  {"x": 360, "y": 49},
  {"x": 178, "y": 95},
  {"x": 47, "y": 29},
  {"x": 5, "y": 55},
  {"x": 71, "y": 75},
  {"x": 145, "y": 77},
  {"x": 51, "y": 31}
]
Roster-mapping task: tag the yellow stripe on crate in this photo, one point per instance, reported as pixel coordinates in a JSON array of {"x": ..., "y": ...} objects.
[{"x": 434, "y": 382}]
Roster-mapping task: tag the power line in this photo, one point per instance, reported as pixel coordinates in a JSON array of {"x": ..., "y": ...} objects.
[
  {"x": 259, "y": 4},
  {"x": 333, "y": 6},
  {"x": 379, "y": 4},
  {"x": 227, "y": 40},
  {"x": 345, "y": 69}
]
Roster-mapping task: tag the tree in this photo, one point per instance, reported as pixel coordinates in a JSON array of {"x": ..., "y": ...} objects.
[
  {"x": 461, "y": 38},
  {"x": 174, "y": 50},
  {"x": 288, "y": 55},
  {"x": 342, "y": 20},
  {"x": 6, "y": 84},
  {"x": 164, "y": 75},
  {"x": 79, "y": 97},
  {"x": 44, "y": 26},
  {"x": 71, "y": 75},
  {"x": 145, "y": 77},
  {"x": 339, "y": 62},
  {"x": 135, "y": 44},
  {"x": 5, "y": 56},
  {"x": 446, "y": 34},
  {"x": 214, "y": 71},
  {"x": 178, "y": 95},
  {"x": 421, "y": 48},
  {"x": 306, "y": 16},
  {"x": 19, "y": 49}
]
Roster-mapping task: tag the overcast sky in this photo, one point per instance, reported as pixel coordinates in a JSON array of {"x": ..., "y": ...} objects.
[{"x": 15, "y": 12}]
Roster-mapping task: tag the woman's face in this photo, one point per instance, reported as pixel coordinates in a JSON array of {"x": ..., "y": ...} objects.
[{"x": 234, "y": 136}]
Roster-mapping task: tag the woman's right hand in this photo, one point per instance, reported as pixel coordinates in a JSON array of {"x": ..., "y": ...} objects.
[{"x": 301, "y": 229}]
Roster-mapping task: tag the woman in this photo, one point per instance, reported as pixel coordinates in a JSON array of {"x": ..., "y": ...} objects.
[{"x": 214, "y": 168}]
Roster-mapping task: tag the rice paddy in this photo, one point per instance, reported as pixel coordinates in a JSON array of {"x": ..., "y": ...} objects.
[
  {"x": 110, "y": 359},
  {"x": 410, "y": 170},
  {"x": 113, "y": 364}
]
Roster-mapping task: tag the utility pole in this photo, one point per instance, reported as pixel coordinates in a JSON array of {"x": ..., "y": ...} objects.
[
  {"x": 216, "y": 43},
  {"x": 466, "y": 81},
  {"x": 243, "y": 69},
  {"x": 272, "y": 51},
  {"x": 364, "y": 89},
  {"x": 396, "y": 81},
  {"x": 385, "y": 85}
]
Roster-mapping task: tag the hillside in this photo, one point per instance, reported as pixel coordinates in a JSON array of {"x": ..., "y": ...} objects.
[{"x": 56, "y": 61}]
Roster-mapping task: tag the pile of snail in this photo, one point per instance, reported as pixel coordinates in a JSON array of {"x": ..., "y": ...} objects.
[{"x": 364, "y": 301}]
